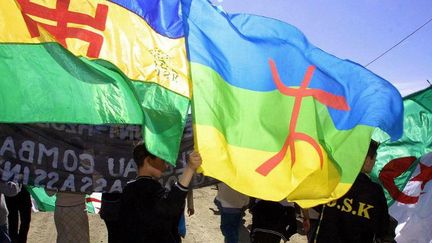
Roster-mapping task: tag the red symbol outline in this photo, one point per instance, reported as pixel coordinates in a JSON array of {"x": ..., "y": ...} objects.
[
  {"x": 62, "y": 16},
  {"x": 424, "y": 176},
  {"x": 326, "y": 98},
  {"x": 391, "y": 171}
]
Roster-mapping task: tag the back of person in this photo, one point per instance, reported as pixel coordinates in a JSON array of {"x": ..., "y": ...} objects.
[
  {"x": 19, "y": 207},
  {"x": 148, "y": 213},
  {"x": 110, "y": 213},
  {"x": 70, "y": 210},
  {"x": 231, "y": 205},
  {"x": 145, "y": 217},
  {"x": 273, "y": 221},
  {"x": 359, "y": 216}
]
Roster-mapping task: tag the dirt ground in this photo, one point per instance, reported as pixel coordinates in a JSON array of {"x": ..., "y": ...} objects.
[{"x": 202, "y": 227}]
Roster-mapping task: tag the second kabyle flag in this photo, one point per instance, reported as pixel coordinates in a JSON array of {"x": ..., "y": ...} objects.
[{"x": 96, "y": 62}]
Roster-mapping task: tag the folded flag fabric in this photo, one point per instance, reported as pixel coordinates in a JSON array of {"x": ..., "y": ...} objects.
[
  {"x": 96, "y": 62},
  {"x": 276, "y": 117},
  {"x": 41, "y": 200}
]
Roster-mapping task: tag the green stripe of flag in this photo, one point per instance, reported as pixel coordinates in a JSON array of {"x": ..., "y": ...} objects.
[
  {"x": 46, "y": 83},
  {"x": 251, "y": 120}
]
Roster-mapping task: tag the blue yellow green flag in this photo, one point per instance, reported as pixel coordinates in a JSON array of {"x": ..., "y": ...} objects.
[{"x": 276, "y": 117}]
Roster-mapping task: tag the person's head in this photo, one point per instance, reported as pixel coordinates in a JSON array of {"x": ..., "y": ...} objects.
[
  {"x": 369, "y": 161},
  {"x": 147, "y": 163}
]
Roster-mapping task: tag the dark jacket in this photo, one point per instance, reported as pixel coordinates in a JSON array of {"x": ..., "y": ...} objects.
[
  {"x": 149, "y": 214},
  {"x": 110, "y": 206},
  {"x": 273, "y": 218},
  {"x": 361, "y": 215}
]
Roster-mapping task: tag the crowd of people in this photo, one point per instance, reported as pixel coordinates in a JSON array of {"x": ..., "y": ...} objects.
[
  {"x": 148, "y": 212},
  {"x": 361, "y": 215}
]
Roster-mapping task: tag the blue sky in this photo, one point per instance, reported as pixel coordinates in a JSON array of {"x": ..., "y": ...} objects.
[{"x": 360, "y": 31}]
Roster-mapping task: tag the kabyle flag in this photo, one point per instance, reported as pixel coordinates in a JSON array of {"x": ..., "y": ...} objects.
[
  {"x": 276, "y": 117},
  {"x": 96, "y": 62},
  {"x": 44, "y": 203},
  {"x": 404, "y": 168}
]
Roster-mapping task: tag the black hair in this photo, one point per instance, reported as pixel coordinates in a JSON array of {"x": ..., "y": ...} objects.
[
  {"x": 373, "y": 147},
  {"x": 140, "y": 153}
]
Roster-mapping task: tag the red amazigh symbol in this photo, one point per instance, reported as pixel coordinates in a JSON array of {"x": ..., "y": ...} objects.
[
  {"x": 62, "y": 16},
  {"x": 328, "y": 99},
  {"x": 392, "y": 170}
]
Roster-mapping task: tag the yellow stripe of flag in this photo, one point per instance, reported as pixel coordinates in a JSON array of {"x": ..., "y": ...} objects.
[{"x": 294, "y": 183}]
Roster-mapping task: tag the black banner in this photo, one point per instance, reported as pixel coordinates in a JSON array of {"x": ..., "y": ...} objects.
[{"x": 80, "y": 158}]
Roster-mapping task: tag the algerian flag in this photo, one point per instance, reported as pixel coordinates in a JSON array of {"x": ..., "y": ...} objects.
[
  {"x": 45, "y": 203},
  {"x": 415, "y": 219},
  {"x": 403, "y": 175}
]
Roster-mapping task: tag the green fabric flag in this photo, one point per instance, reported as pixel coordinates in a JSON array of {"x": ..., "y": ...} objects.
[
  {"x": 46, "y": 203},
  {"x": 396, "y": 161}
]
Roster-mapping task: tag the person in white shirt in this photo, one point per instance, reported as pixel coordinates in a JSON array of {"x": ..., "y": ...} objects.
[{"x": 232, "y": 205}]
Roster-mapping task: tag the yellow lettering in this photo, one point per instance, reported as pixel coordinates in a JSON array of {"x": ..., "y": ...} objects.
[
  {"x": 363, "y": 211},
  {"x": 332, "y": 203},
  {"x": 347, "y": 205}
]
